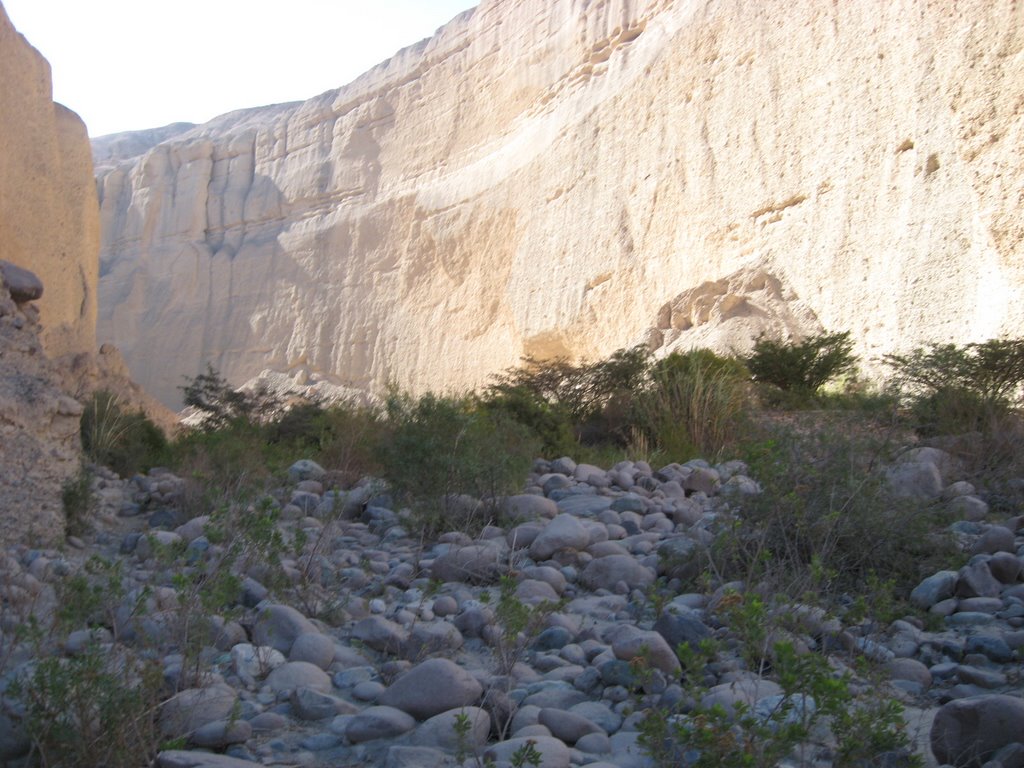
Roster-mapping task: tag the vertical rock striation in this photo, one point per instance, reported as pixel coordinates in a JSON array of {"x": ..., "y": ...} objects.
[
  {"x": 49, "y": 216},
  {"x": 546, "y": 176}
]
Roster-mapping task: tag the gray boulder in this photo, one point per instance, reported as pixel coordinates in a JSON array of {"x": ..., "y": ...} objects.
[
  {"x": 936, "y": 588},
  {"x": 966, "y": 733},
  {"x": 553, "y": 752},
  {"x": 478, "y": 563},
  {"x": 607, "y": 572},
  {"x": 440, "y": 730},
  {"x": 378, "y": 723},
  {"x": 569, "y": 727},
  {"x": 181, "y": 758},
  {"x": 22, "y": 284},
  {"x": 432, "y": 687},
  {"x": 528, "y": 506},
  {"x": 563, "y": 532},
  {"x": 298, "y": 674},
  {"x": 279, "y": 625},
  {"x": 195, "y": 707}
]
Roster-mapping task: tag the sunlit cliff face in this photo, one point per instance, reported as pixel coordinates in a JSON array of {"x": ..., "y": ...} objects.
[{"x": 543, "y": 178}]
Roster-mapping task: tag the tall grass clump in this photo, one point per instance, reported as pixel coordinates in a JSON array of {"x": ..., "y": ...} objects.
[
  {"x": 115, "y": 437},
  {"x": 693, "y": 404},
  {"x": 446, "y": 458}
]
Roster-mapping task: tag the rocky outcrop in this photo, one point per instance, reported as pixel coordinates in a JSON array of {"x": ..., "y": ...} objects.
[
  {"x": 49, "y": 219},
  {"x": 540, "y": 177},
  {"x": 729, "y": 314},
  {"x": 39, "y": 444}
]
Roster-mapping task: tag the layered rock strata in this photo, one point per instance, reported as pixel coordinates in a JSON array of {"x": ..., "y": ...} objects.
[
  {"x": 49, "y": 216},
  {"x": 541, "y": 177}
]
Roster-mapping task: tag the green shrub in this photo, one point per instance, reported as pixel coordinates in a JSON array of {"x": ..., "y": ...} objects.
[
  {"x": 95, "y": 708},
  {"x": 550, "y": 422},
  {"x": 77, "y": 501},
  {"x": 222, "y": 465},
  {"x": 442, "y": 447},
  {"x": 952, "y": 389},
  {"x": 825, "y": 522},
  {"x": 803, "y": 368},
  {"x": 694, "y": 404},
  {"x": 345, "y": 437},
  {"x": 99, "y": 705},
  {"x": 597, "y": 397},
  {"x": 125, "y": 441}
]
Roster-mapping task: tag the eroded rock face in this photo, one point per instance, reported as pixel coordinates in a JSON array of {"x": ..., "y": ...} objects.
[
  {"x": 49, "y": 217},
  {"x": 39, "y": 444},
  {"x": 542, "y": 176}
]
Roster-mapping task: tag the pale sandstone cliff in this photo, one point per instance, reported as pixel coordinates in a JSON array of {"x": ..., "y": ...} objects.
[
  {"x": 546, "y": 176},
  {"x": 49, "y": 215}
]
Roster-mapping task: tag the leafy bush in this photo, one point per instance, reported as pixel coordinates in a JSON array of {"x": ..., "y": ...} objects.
[
  {"x": 443, "y": 447},
  {"x": 825, "y": 521},
  {"x": 211, "y": 395},
  {"x": 805, "y": 367},
  {"x": 97, "y": 706},
  {"x": 953, "y": 389},
  {"x": 345, "y": 437},
  {"x": 550, "y": 422},
  {"x": 126, "y": 442},
  {"x": 92, "y": 709},
  {"x": 693, "y": 404},
  {"x": 596, "y": 396}
]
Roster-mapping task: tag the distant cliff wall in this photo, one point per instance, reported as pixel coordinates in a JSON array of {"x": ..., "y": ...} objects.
[
  {"x": 550, "y": 177},
  {"x": 49, "y": 214}
]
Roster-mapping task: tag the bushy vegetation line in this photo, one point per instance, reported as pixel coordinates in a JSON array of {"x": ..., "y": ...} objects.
[{"x": 434, "y": 449}]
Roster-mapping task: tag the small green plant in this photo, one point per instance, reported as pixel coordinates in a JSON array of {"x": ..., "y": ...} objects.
[
  {"x": 527, "y": 754},
  {"x": 519, "y": 622},
  {"x": 77, "y": 500},
  {"x": 802, "y": 368},
  {"x": 765, "y": 729}
]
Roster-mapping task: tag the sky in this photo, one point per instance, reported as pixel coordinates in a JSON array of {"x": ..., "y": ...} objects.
[{"x": 132, "y": 64}]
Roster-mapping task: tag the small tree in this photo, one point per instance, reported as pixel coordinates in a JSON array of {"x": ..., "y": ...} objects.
[
  {"x": 952, "y": 388},
  {"x": 211, "y": 394},
  {"x": 805, "y": 367}
]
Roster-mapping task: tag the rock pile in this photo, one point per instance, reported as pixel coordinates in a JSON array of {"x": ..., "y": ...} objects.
[{"x": 396, "y": 652}]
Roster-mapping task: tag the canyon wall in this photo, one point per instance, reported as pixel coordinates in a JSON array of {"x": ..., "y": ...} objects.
[
  {"x": 560, "y": 177},
  {"x": 49, "y": 215}
]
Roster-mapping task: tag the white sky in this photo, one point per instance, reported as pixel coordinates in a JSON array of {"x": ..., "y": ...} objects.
[{"x": 132, "y": 64}]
